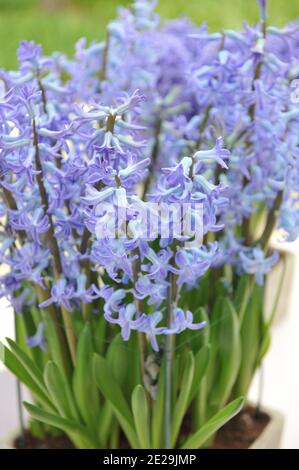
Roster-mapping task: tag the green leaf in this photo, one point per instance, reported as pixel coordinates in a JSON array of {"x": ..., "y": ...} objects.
[
  {"x": 16, "y": 367},
  {"x": 250, "y": 339},
  {"x": 34, "y": 372},
  {"x": 202, "y": 296},
  {"x": 60, "y": 391},
  {"x": 175, "y": 374},
  {"x": 26, "y": 326},
  {"x": 158, "y": 410},
  {"x": 134, "y": 377},
  {"x": 228, "y": 356},
  {"x": 84, "y": 387},
  {"x": 220, "y": 288},
  {"x": 200, "y": 391},
  {"x": 206, "y": 331},
  {"x": 201, "y": 362},
  {"x": 141, "y": 416},
  {"x": 216, "y": 422},
  {"x": 69, "y": 427},
  {"x": 214, "y": 323},
  {"x": 266, "y": 335},
  {"x": 266, "y": 342},
  {"x": 27, "y": 363},
  {"x": 38, "y": 429},
  {"x": 182, "y": 401},
  {"x": 54, "y": 345},
  {"x": 113, "y": 393},
  {"x": 240, "y": 292},
  {"x": 106, "y": 419},
  {"x": 117, "y": 359},
  {"x": 99, "y": 330}
]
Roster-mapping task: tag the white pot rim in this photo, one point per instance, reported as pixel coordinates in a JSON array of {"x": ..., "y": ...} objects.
[
  {"x": 270, "y": 437},
  {"x": 272, "y": 429},
  {"x": 7, "y": 442}
]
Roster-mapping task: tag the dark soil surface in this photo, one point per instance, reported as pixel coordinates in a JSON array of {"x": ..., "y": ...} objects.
[
  {"x": 242, "y": 430},
  {"x": 239, "y": 433},
  {"x": 48, "y": 442}
]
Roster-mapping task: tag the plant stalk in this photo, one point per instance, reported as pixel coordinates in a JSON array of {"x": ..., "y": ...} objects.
[
  {"x": 19, "y": 396},
  {"x": 43, "y": 92},
  {"x": 260, "y": 392},
  {"x": 246, "y": 229},
  {"x": 42, "y": 294},
  {"x": 271, "y": 221},
  {"x": 154, "y": 157},
  {"x": 139, "y": 309},
  {"x": 53, "y": 245},
  {"x": 167, "y": 409},
  {"x": 168, "y": 348},
  {"x": 168, "y": 377},
  {"x": 103, "y": 70}
]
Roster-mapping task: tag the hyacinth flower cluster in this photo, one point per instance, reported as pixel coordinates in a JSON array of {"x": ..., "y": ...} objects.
[{"x": 141, "y": 182}]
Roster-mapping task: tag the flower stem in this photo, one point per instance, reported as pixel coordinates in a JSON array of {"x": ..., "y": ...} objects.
[
  {"x": 69, "y": 331},
  {"x": 271, "y": 221},
  {"x": 168, "y": 383},
  {"x": 53, "y": 245},
  {"x": 139, "y": 309},
  {"x": 103, "y": 70},
  {"x": 12, "y": 205},
  {"x": 42, "y": 295},
  {"x": 43, "y": 92},
  {"x": 19, "y": 394},
  {"x": 168, "y": 348},
  {"x": 154, "y": 157}
]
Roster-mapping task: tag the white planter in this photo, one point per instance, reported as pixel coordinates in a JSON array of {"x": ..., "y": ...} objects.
[
  {"x": 287, "y": 264},
  {"x": 270, "y": 438},
  {"x": 8, "y": 441},
  {"x": 9, "y": 420}
]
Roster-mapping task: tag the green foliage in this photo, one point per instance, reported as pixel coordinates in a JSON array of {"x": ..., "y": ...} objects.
[
  {"x": 114, "y": 395},
  {"x": 201, "y": 362},
  {"x": 37, "y": 388},
  {"x": 158, "y": 410},
  {"x": 141, "y": 416},
  {"x": 84, "y": 387},
  {"x": 251, "y": 334},
  {"x": 216, "y": 422},
  {"x": 226, "y": 347},
  {"x": 75, "y": 430},
  {"x": 180, "y": 406},
  {"x": 94, "y": 406},
  {"x": 60, "y": 392},
  {"x": 106, "y": 394},
  {"x": 107, "y": 391},
  {"x": 59, "y": 29}
]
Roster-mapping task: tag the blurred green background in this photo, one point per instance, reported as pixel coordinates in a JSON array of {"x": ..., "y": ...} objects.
[{"x": 57, "y": 24}]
